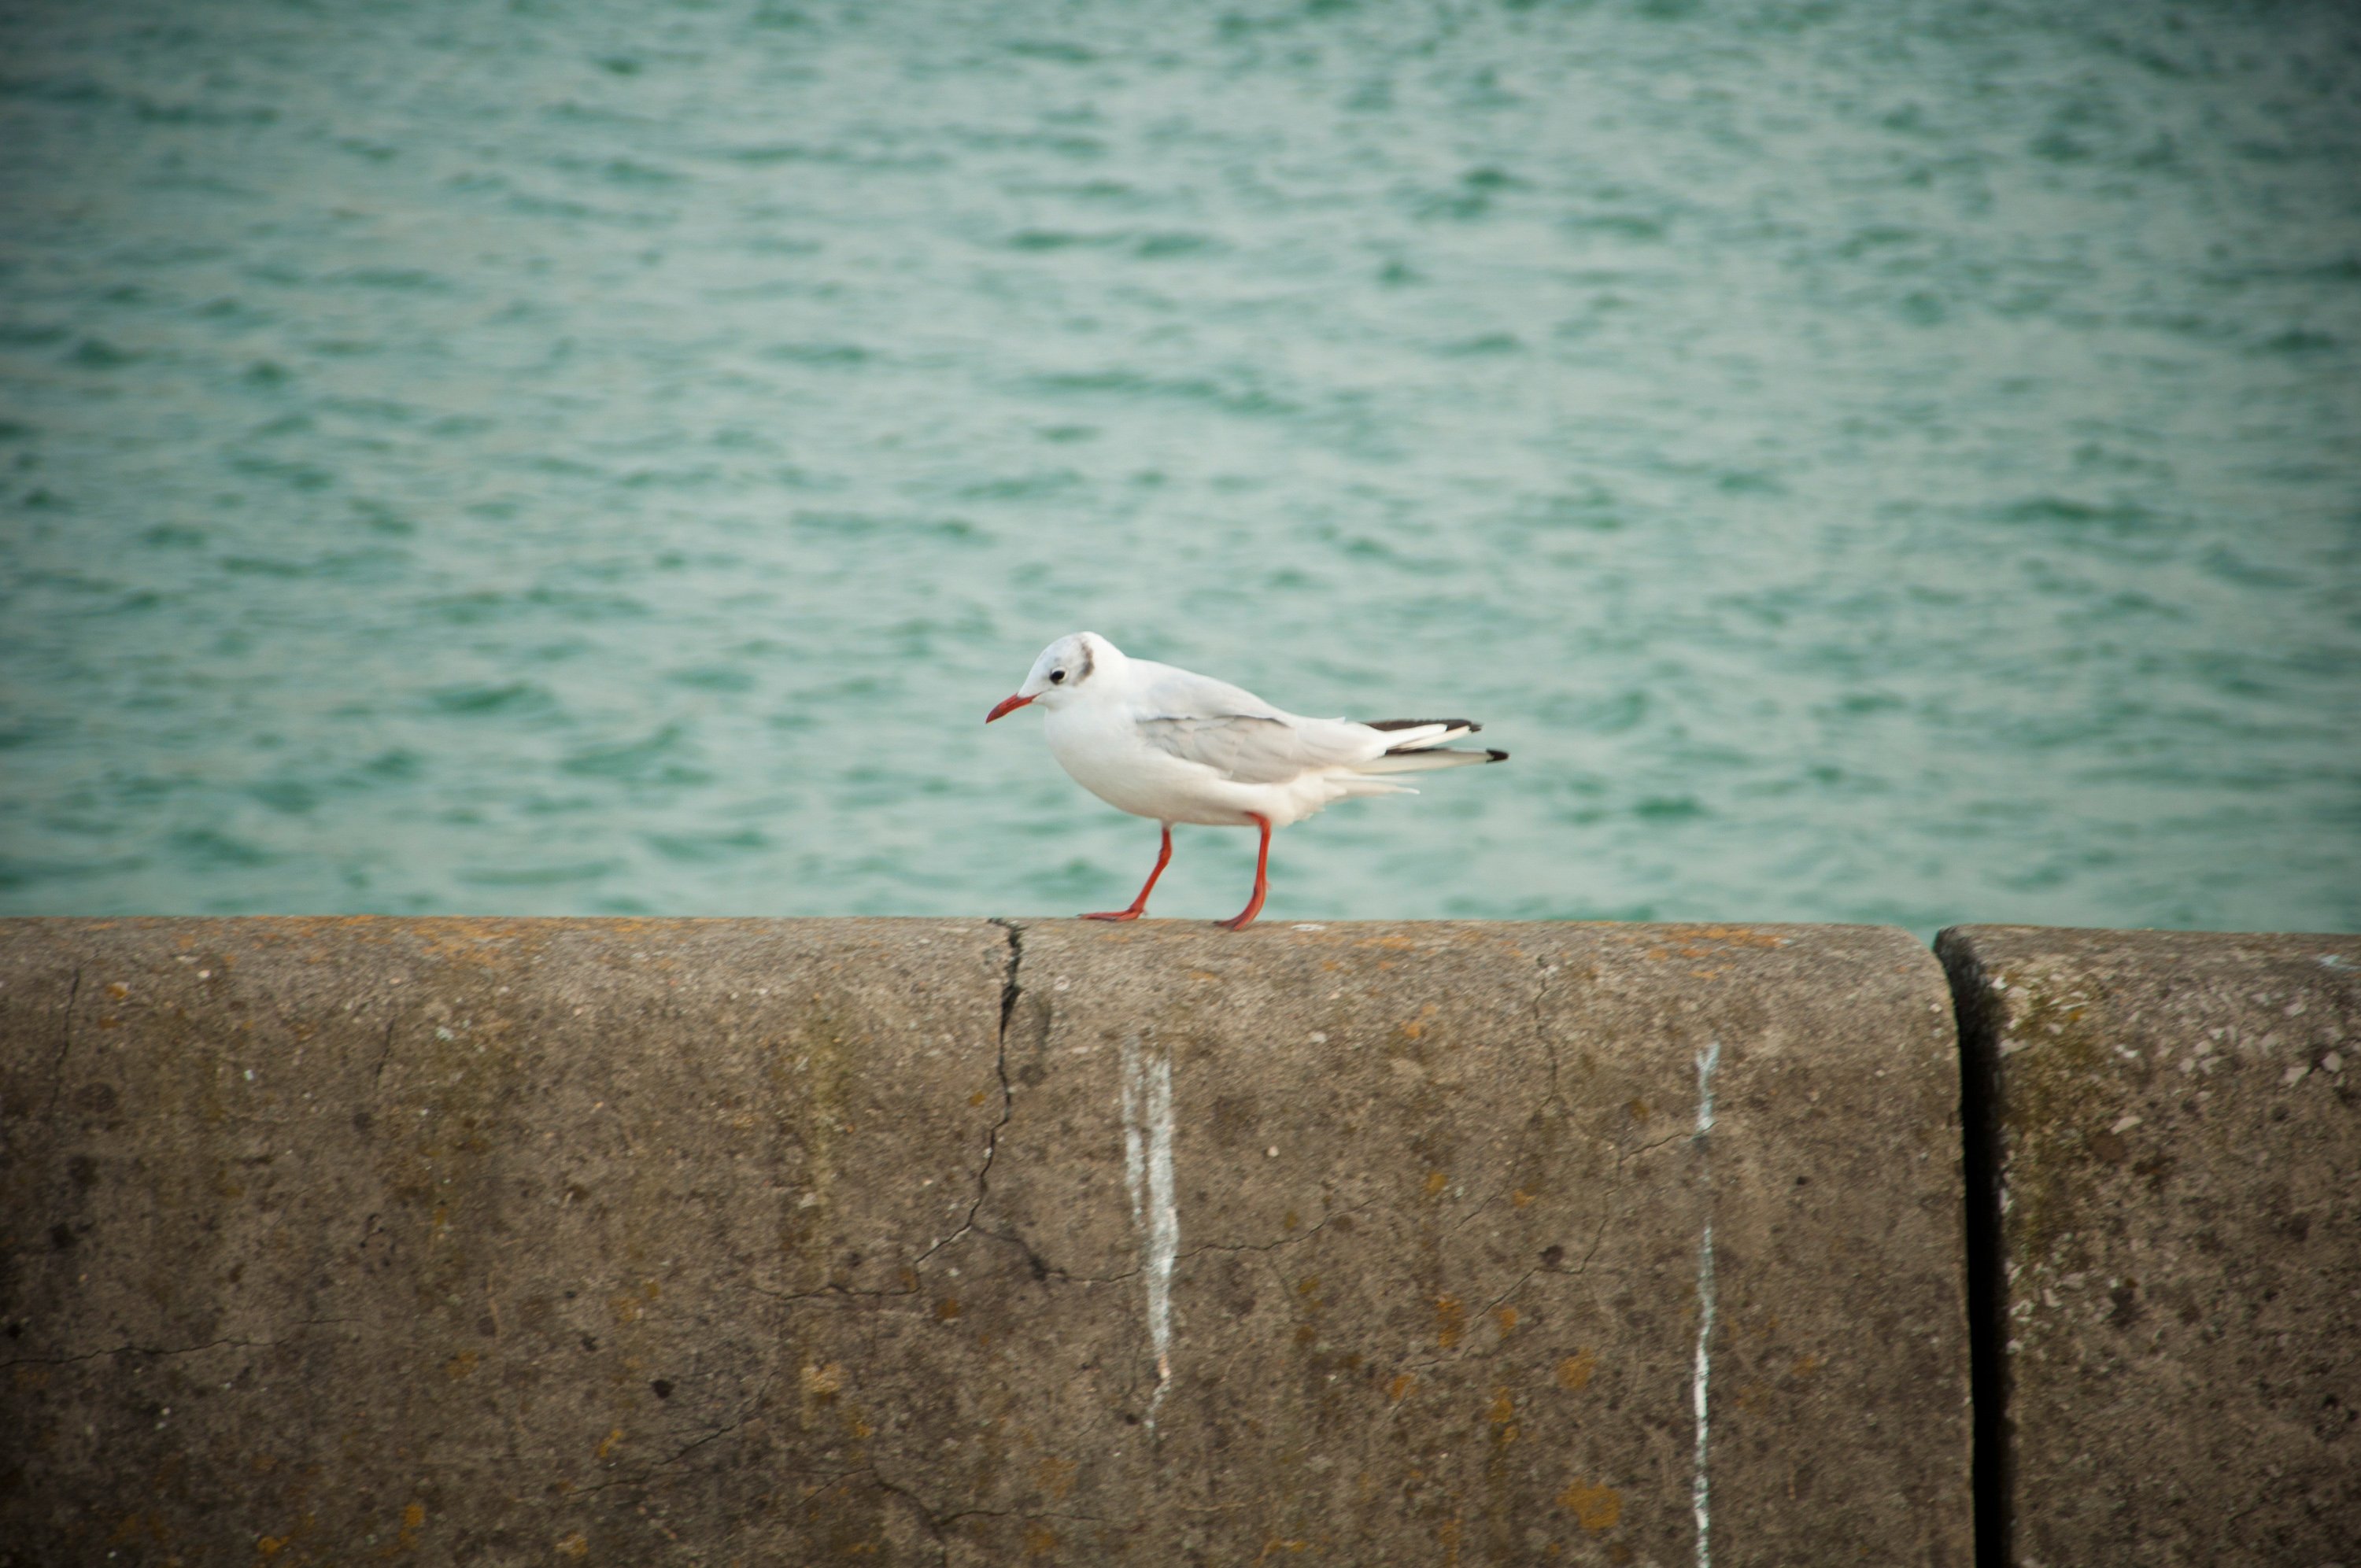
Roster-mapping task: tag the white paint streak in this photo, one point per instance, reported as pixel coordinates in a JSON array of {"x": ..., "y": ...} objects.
[
  {"x": 1705, "y": 1064},
  {"x": 1147, "y": 1170},
  {"x": 1700, "y": 1495}
]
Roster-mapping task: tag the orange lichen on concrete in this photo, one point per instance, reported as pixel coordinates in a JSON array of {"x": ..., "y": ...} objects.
[
  {"x": 822, "y": 1384},
  {"x": 1573, "y": 1372},
  {"x": 1055, "y": 1475},
  {"x": 607, "y": 1444},
  {"x": 1727, "y": 936},
  {"x": 1450, "y": 1321},
  {"x": 1400, "y": 1386},
  {"x": 1502, "y": 1413},
  {"x": 1596, "y": 1509}
]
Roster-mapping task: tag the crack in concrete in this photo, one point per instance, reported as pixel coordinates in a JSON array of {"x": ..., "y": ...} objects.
[
  {"x": 1553, "y": 1100},
  {"x": 752, "y": 1407},
  {"x": 827, "y": 1293},
  {"x": 918, "y": 1505},
  {"x": 1508, "y": 1184},
  {"x": 654, "y": 1472},
  {"x": 1043, "y": 1269},
  {"x": 160, "y": 1351},
  {"x": 1621, "y": 1156},
  {"x": 1283, "y": 1242},
  {"x": 937, "y": 1522},
  {"x": 1010, "y": 989}
]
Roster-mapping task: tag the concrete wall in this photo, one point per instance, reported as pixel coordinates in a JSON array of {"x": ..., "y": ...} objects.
[
  {"x": 972, "y": 1243},
  {"x": 2169, "y": 1164},
  {"x": 959, "y": 1243}
]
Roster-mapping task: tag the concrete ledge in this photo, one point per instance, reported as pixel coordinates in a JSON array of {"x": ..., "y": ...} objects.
[
  {"x": 2168, "y": 1136},
  {"x": 964, "y": 1242}
]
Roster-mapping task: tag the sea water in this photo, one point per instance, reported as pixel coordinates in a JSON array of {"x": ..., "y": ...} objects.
[{"x": 1867, "y": 461}]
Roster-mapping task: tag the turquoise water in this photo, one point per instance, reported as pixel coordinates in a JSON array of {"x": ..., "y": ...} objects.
[{"x": 1868, "y": 461}]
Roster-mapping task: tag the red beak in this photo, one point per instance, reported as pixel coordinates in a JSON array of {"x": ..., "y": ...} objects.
[{"x": 1006, "y": 708}]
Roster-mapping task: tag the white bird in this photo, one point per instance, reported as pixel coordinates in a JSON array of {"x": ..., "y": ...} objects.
[{"x": 1159, "y": 742}]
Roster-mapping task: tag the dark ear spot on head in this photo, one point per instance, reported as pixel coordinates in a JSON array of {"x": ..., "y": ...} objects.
[{"x": 1082, "y": 665}]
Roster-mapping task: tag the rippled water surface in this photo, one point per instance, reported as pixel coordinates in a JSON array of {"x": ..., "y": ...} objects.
[{"x": 1868, "y": 461}]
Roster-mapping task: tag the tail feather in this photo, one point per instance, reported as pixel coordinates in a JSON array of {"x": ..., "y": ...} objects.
[
  {"x": 1426, "y": 761},
  {"x": 1421, "y": 734},
  {"x": 1465, "y": 724}
]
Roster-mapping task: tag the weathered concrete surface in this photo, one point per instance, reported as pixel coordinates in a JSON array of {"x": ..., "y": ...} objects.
[
  {"x": 463, "y": 1241},
  {"x": 2172, "y": 1129},
  {"x": 1441, "y": 1213},
  {"x": 769, "y": 1241}
]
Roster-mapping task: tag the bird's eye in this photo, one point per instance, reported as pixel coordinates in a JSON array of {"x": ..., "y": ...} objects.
[{"x": 1056, "y": 677}]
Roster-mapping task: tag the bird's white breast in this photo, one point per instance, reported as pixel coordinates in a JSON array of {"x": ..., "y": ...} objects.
[{"x": 1099, "y": 745}]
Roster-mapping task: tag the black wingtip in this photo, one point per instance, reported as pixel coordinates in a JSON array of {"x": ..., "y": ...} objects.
[
  {"x": 1469, "y": 725},
  {"x": 1491, "y": 756}
]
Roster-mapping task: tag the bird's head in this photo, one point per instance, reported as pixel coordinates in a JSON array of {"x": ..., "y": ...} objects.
[{"x": 1064, "y": 668}]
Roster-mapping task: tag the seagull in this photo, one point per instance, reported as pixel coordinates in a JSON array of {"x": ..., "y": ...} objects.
[{"x": 1161, "y": 742}]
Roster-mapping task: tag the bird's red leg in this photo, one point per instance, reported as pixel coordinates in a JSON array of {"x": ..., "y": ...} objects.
[
  {"x": 1262, "y": 879},
  {"x": 1163, "y": 859}
]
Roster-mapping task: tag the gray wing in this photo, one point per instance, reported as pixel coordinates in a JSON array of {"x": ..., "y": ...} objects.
[{"x": 1261, "y": 748}]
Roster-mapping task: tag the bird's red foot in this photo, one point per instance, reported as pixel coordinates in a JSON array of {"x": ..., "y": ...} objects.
[
  {"x": 1245, "y": 917},
  {"x": 1163, "y": 859}
]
